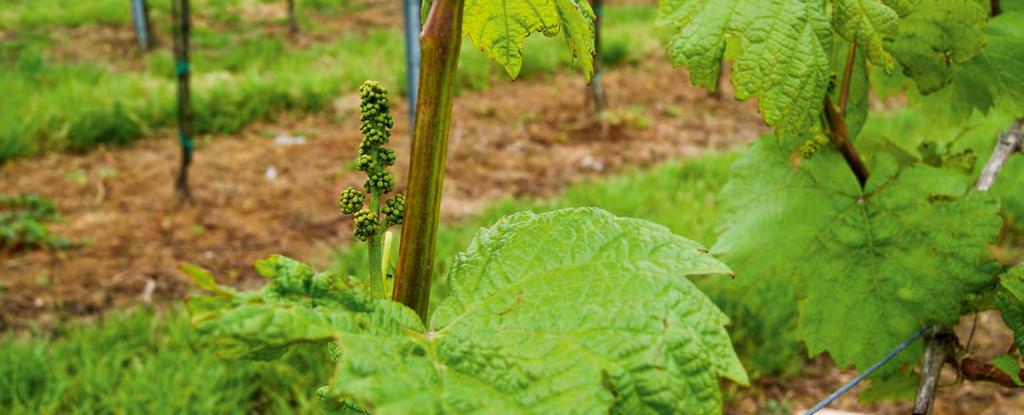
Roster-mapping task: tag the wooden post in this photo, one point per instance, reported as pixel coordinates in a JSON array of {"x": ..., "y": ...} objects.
[
  {"x": 182, "y": 25},
  {"x": 293, "y": 23}
]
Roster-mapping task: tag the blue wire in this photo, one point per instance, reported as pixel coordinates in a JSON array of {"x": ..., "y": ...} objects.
[{"x": 849, "y": 385}]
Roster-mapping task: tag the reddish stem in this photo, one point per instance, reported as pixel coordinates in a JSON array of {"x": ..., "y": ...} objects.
[
  {"x": 844, "y": 88},
  {"x": 839, "y": 135},
  {"x": 440, "y": 41},
  {"x": 979, "y": 371}
]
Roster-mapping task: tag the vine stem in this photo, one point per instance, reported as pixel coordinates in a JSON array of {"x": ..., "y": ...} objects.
[
  {"x": 293, "y": 22},
  {"x": 938, "y": 350},
  {"x": 376, "y": 251},
  {"x": 1009, "y": 142},
  {"x": 440, "y": 41},
  {"x": 844, "y": 88},
  {"x": 839, "y": 135},
  {"x": 180, "y": 9}
]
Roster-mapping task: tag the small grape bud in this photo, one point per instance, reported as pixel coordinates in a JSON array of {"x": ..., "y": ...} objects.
[
  {"x": 387, "y": 156},
  {"x": 383, "y": 182},
  {"x": 364, "y": 162},
  {"x": 351, "y": 201},
  {"x": 394, "y": 210},
  {"x": 366, "y": 225}
]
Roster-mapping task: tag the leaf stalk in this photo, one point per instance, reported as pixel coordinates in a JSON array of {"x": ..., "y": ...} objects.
[
  {"x": 844, "y": 87},
  {"x": 837, "y": 125}
]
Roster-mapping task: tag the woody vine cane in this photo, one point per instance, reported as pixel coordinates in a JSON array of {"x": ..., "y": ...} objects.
[{"x": 182, "y": 25}]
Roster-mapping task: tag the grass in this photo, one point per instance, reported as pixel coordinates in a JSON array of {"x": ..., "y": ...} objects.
[
  {"x": 141, "y": 361},
  {"x": 25, "y": 15},
  {"x": 57, "y": 105}
]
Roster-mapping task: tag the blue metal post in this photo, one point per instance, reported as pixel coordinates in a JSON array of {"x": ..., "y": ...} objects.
[
  {"x": 141, "y": 23},
  {"x": 412, "y": 53}
]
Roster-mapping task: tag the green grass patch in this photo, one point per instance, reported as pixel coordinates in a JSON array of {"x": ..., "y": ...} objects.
[
  {"x": 24, "y": 15},
  {"x": 143, "y": 362}
]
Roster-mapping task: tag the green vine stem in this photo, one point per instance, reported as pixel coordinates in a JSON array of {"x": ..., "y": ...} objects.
[
  {"x": 376, "y": 253},
  {"x": 440, "y": 41}
]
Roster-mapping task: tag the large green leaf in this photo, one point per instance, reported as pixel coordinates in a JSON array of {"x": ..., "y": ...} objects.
[
  {"x": 297, "y": 306},
  {"x": 872, "y": 266},
  {"x": 936, "y": 37},
  {"x": 499, "y": 27},
  {"x": 869, "y": 23},
  {"x": 993, "y": 78},
  {"x": 784, "y": 48},
  {"x": 572, "y": 311}
]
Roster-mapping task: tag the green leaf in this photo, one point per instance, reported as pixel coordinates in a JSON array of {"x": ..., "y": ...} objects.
[
  {"x": 297, "y": 306},
  {"x": 1010, "y": 302},
  {"x": 785, "y": 48},
  {"x": 568, "y": 311},
  {"x": 872, "y": 266},
  {"x": 204, "y": 279},
  {"x": 499, "y": 27},
  {"x": 993, "y": 78},
  {"x": 935, "y": 37},
  {"x": 572, "y": 311},
  {"x": 870, "y": 23},
  {"x": 1008, "y": 365}
]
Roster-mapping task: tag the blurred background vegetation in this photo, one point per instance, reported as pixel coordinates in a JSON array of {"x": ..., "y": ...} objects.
[{"x": 244, "y": 69}]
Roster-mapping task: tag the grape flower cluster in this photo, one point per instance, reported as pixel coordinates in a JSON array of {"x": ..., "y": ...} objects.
[
  {"x": 812, "y": 145},
  {"x": 374, "y": 159}
]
